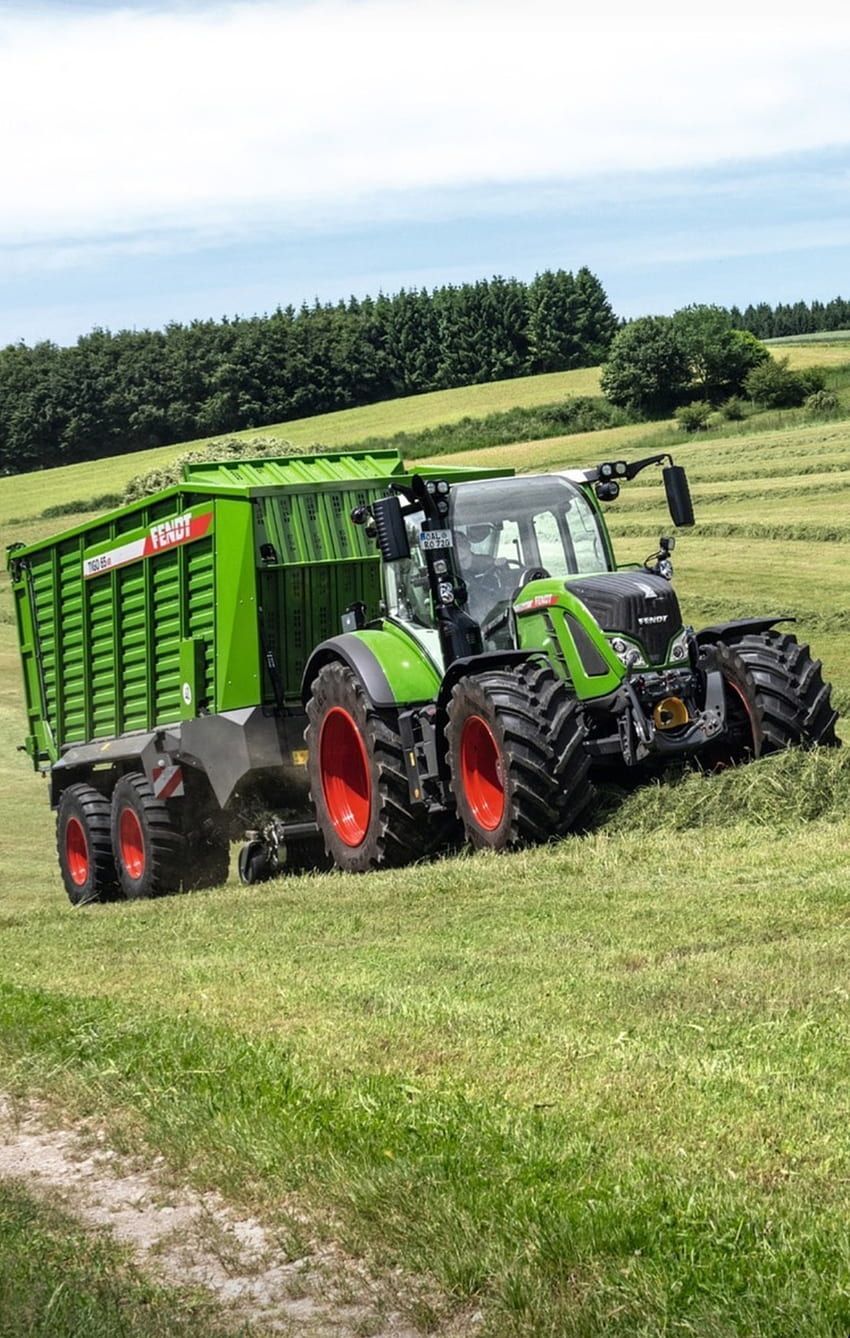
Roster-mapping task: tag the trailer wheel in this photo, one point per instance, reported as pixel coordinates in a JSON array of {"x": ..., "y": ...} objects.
[
  {"x": 795, "y": 701},
  {"x": 517, "y": 759},
  {"x": 358, "y": 783},
  {"x": 149, "y": 849},
  {"x": 84, "y": 846}
]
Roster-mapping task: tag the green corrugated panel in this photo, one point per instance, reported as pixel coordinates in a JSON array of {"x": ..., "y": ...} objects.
[
  {"x": 200, "y": 578},
  {"x": 303, "y": 605},
  {"x": 298, "y": 471}
]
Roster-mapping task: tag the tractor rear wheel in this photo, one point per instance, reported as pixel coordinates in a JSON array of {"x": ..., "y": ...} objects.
[
  {"x": 794, "y": 701},
  {"x": 358, "y": 782},
  {"x": 84, "y": 846},
  {"x": 149, "y": 848},
  {"x": 517, "y": 759}
]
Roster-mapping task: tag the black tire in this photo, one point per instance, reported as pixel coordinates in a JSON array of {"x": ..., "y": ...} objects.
[
  {"x": 520, "y": 772},
  {"x": 149, "y": 848},
  {"x": 253, "y": 865},
  {"x": 207, "y": 864},
  {"x": 84, "y": 846},
  {"x": 795, "y": 702},
  {"x": 743, "y": 739},
  {"x": 358, "y": 782}
]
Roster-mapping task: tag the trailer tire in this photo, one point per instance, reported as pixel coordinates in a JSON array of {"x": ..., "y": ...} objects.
[
  {"x": 794, "y": 699},
  {"x": 358, "y": 782},
  {"x": 84, "y": 846},
  {"x": 520, "y": 772},
  {"x": 149, "y": 848}
]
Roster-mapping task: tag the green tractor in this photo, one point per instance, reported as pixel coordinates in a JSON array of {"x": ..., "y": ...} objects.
[{"x": 345, "y": 663}]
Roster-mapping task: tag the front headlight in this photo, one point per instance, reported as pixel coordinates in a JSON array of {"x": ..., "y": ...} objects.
[
  {"x": 627, "y": 653},
  {"x": 679, "y": 648}
]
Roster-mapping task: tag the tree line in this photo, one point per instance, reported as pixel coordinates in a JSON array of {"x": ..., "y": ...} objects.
[
  {"x": 110, "y": 393},
  {"x": 792, "y": 318}
]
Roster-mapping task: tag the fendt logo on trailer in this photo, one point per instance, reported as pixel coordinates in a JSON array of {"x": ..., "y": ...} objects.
[{"x": 171, "y": 533}]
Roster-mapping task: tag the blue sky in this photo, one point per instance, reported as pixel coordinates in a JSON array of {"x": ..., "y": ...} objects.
[{"x": 201, "y": 160}]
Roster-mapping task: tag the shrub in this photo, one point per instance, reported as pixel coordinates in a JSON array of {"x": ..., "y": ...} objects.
[
  {"x": 719, "y": 356},
  {"x": 773, "y": 385},
  {"x": 812, "y": 380},
  {"x": 694, "y": 417},
  {"x": 734, "y": 409},
  {"x": 822, "y": 404},
  {"x": 648, "y": 370}
]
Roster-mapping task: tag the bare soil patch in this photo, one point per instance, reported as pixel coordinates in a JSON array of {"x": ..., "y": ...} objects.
[{"x": 193, "y": 1240}]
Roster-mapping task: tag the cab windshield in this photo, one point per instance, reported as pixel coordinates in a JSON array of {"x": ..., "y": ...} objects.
[{"x": 510, "y": 531}]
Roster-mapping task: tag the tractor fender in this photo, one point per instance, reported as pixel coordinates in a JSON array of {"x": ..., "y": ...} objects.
[
  {"x": 475, "y": 664},
  {"x": 391, "y": 665},
  {"x": 733, "y": 631}
]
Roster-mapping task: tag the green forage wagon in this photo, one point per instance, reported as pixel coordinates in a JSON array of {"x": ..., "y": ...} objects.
[{"x": 341, "y": 661}]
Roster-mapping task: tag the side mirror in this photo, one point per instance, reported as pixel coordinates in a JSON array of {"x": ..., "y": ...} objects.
[
  {"x": 678, "y": 495},
  {"x": 390, "y": 530}
]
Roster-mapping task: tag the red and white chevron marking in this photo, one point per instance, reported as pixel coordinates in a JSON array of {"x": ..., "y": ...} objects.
[{"x": 167, "y": 781}]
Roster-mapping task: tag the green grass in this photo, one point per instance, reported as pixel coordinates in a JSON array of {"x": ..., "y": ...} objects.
[
  {"x": 595, "y": 1089},
  {"x": 58, "y": 1281},
  {"x": 822, "y": 337}
]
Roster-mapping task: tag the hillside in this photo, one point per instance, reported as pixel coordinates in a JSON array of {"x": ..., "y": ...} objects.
[{"x": 596, "y": 1089}]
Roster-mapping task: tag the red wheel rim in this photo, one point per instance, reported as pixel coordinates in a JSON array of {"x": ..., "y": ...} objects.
[
  {"x": 346, "y": 778},
  {"x": 131, "y": 843},
  {"x": 742, "y": 697},
  {"x": 76, "y": 852},
  {"x": 481, "y": 773}
]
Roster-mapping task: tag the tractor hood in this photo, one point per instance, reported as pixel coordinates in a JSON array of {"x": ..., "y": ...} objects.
[
  {"x": 638, "y": 605},
  {"x": 586, "y": 615}
]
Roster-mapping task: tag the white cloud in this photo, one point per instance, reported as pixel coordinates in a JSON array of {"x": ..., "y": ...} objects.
[{"x": 215, "y": 118}]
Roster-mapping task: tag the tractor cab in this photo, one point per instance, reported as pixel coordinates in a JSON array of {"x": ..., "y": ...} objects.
[{"x": 503, "y": 533}]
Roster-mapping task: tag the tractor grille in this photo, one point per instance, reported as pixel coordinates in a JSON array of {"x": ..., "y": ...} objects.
[{"x": 619, "y": 600}]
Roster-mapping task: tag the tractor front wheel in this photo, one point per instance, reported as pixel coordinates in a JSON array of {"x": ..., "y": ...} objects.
[
  {"x": 793, "y": 700},
  {"x": 743, "y": 738},
  {"x": 358, "y": 782},
  {"x": 517, "y": 759}
]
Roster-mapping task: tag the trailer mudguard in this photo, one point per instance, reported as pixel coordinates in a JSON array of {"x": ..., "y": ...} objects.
[
  {"x": 391, "y": 665},
  {"x": 79, "y": 760},
  {"x": 732, "y": 631}
]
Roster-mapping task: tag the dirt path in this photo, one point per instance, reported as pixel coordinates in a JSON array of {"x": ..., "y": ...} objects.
[{"x": 194, "y": 1240}]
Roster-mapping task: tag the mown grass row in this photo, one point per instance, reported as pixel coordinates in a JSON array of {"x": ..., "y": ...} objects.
[{"x": 802, "y": 532}]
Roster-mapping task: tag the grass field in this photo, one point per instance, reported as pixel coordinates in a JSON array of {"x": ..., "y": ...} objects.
[{"x": 597, "y": 1089}]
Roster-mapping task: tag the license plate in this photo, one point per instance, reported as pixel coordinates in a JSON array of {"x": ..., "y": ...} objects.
[{"x": 435, "y": 539}]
